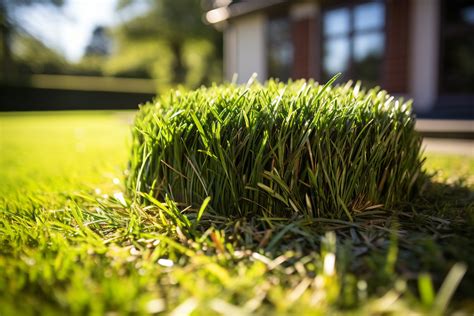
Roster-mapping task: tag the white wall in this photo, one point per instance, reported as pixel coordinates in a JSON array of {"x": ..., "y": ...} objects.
[
  {"x": 424, "y": 52},
  {"x": 245, "y": 48}
]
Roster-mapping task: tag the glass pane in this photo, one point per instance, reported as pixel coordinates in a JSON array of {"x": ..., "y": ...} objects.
[
  {"x": 368, "y": 57},
  {"x": 458, "y": 64},
  {"x": 457, "y": 58},
  {"x": 336, "y": 22},
  {"x": 336, "y": 56},
  {"x": 468, "y": 14},
  {"x": 280, "y": 52},
  {"x": 459, "y": 12},
  {"x": 368, "y": 44},
  {"x": 369, "y": 16}
]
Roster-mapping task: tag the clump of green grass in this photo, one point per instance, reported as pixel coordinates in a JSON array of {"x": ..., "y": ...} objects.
[{"x": 277, "y": 149}]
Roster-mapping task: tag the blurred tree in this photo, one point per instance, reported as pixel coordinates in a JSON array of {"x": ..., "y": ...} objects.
[
  {"x": 169, "y": 42},
  {"x": 100, "y": 43},
  {"x": 32, "y": 56},
  {"x": 9, "y": 26},
  {"x": 96, "y": 53}
]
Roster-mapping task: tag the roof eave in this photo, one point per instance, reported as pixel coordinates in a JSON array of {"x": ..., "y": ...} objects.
[{"x": 223, "y": 14}]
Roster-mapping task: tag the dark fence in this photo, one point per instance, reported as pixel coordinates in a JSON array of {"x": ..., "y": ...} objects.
[{"x": 39, "y": 99}]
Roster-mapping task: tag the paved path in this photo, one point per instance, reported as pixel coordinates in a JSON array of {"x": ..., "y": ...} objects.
[
  {"x": 425, "y": 125},
  {"x": 463, "y": 147},
  {"x": 446, "y": 128}
]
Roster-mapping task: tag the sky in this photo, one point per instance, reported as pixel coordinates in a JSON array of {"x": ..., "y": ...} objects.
[{"x": 68, "y": 29}]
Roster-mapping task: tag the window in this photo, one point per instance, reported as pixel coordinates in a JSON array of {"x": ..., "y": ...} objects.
[
  {"x": 457, "y": 47},
  {"x": 280, "y": 48},
  {"x": 353, "y": 42}
]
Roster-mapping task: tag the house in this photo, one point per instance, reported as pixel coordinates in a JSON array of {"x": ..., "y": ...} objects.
[{"x": 423, "y": 49}]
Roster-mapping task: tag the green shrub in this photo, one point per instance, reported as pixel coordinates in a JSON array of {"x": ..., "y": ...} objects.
[{"x": 277, "y": 149}]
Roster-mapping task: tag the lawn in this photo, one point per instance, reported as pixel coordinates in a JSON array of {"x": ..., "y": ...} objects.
[{"x": 73, "y": 243}]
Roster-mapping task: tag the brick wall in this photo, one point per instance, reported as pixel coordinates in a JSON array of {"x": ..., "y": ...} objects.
[
  {"x": 306, "y": 53},
  {"x": 395, "y": 77}
]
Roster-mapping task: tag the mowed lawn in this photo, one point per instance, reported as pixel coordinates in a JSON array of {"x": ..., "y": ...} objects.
[
  {"x": 47, "y": 158},
  {"x": 62, "y": 151}
]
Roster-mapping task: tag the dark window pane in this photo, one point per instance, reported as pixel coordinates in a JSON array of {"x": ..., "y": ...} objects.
[
  {"x": 458, "y": 64},
  {"x": 458, "y": 12},
  {"x": 368, "y": 57},
  {"x": 336, "y": 22},
  {"x": 336, "y": 56},
  {"x": 280, "y": 50},
  {"x": 457, "y": 57},
  {"x": 369, "y": 16},
  {"x": 468, "y": 14}
]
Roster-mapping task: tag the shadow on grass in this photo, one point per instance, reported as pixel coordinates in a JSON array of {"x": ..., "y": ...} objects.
[
  {"x": 380, "y": 247},
  {"x": 428, "y": 235}
]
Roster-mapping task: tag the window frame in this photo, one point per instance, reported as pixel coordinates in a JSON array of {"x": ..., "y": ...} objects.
[{"x": 350, "y": 5}]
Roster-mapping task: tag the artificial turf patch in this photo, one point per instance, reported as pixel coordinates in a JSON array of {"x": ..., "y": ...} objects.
[{"x": 277, "y": 149}]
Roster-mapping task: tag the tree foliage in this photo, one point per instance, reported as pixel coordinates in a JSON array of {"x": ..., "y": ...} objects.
[
  {"x": 168, "y": 42},
  {"x": 11, "y": 31},
  {"x": 165, "y": 40},
  {"x": 33, "y": 56}
]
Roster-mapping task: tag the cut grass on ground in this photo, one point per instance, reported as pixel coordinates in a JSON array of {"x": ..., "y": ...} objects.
[
  {"x": 72, "y": 244},
  {"x": 62, "y": 151}
]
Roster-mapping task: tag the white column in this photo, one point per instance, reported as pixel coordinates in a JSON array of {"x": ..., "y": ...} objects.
[
  {"x": 424, "y": 53},
  {"x": 245, "y": 50},
  {"x": 230, "y": 52}
]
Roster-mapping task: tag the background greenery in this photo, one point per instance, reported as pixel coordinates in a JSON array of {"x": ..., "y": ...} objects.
[{"x": 154, "y": 44}]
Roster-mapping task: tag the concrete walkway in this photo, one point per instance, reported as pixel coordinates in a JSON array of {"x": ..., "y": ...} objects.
[
  {"x": 447, "y": 136},
  {"x": 464, "y": 147},
  {"x": 446, "y": 128}
]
